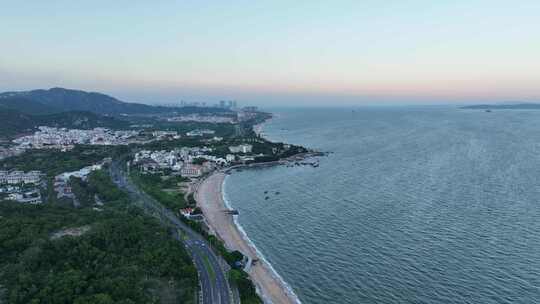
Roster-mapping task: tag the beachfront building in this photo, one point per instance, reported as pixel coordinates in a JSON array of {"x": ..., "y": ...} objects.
[
  {"x": 191, "y": 170},
  {"x": 191, "y": 214}
]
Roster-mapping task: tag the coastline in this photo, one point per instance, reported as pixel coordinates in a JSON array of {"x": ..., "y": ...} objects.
[{"x": 211, "y": 199}]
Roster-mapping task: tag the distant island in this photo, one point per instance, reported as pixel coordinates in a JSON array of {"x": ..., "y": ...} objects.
[{"x": 513, "y": 106}]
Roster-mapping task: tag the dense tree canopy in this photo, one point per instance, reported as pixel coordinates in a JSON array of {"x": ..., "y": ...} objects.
[{"x": 124, "y": 256}]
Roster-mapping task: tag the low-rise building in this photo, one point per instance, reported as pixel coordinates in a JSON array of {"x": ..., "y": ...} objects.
[
  {"x": 230, "y": 157},
  {"x": 19, "y": 177},
  {"x": 148, "y": 166},
  {"x": 243, "y": 148},
  {"x": 191, "y": 214},
  {"x": 200, "y": 132},
  {"x": 191, "y": 170},
  {"x": 61, "y": 181},
  {"x": 161, "y": 134},
  {"x": 30, "y": 197}
]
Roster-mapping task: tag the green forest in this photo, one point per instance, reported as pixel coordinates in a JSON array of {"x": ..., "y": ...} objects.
[{"x": 122, "y": 256}]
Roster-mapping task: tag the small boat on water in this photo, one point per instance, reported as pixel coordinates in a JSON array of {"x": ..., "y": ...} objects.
[
  {"x": 266, "y": 192},
  {"x": 277, "y": 192},
  {"x": 266, "y": 198}
]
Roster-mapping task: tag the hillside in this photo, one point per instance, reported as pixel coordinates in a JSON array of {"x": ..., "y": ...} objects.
[
  {"x": 15, "y": 122},
  {"x": 60, "y": 99},
  {"x": 26, "y": 106}
]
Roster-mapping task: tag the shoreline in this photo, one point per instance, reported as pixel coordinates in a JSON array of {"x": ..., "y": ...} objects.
[
  {"x": 275, "y": 274},
  {"x": 270, "y": 285},
  {"x": 211, "y": 197}
]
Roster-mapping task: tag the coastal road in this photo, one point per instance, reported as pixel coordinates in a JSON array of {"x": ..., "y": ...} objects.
[{"x": 215, "y": 288}]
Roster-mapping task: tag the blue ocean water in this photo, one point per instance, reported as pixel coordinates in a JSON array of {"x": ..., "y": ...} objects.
[{"x": 414, "y": 205}]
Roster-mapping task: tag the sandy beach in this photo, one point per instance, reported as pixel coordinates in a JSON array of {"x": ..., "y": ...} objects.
[{"x": 210, "y": 199}]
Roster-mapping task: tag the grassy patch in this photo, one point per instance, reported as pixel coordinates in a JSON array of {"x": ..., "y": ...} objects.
[{"x": 154, "y": 185}]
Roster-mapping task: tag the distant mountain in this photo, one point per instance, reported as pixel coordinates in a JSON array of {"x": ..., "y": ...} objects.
[
  {"x": 15, "y": 123},
  {"x": 513, "y": 106},
  {"x": 60, "y": 100}
]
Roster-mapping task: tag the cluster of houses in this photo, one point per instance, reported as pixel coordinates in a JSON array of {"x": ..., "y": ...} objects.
[
  {"x": 61, "y": 181},
  {"x": 246, "y": 113},
  {"x": 62, "y": 138},
  {"x": 11, "y": 189},
  {"x": 188, "y": 162},
  {"x": 20, "y": 177}
]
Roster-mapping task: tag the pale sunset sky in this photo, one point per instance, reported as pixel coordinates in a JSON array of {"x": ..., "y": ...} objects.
[{"x": 276, "y": 52}]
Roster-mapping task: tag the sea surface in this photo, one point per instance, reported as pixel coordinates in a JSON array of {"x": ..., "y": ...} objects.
[{"x": 413, "y": 205}]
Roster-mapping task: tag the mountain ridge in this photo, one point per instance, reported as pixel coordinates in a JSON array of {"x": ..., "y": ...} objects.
[{"x": 63, "y": 100}]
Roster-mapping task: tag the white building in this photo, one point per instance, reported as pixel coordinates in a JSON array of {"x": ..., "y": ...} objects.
[
  {"x": 82, "y": 173},
  {"x": 191, "y": 170},
  {"x": 243, "y": 148},
  {"x": 164, "y": 133},
  {"x": 17, "y": 177},
  {"x": 200, "y": 132}
]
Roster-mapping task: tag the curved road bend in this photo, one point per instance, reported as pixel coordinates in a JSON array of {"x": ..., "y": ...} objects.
[{"x": 214, "y": 285}]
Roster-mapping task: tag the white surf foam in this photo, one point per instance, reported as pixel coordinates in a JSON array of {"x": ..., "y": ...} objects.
[{"x": 275, "y": 274}]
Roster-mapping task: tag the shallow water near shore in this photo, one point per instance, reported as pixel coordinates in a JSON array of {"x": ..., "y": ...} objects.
[{"x": 414, "y": 205}]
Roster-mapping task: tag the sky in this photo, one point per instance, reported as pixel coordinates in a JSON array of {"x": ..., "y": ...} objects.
[{"x": 276, "y": 52}]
